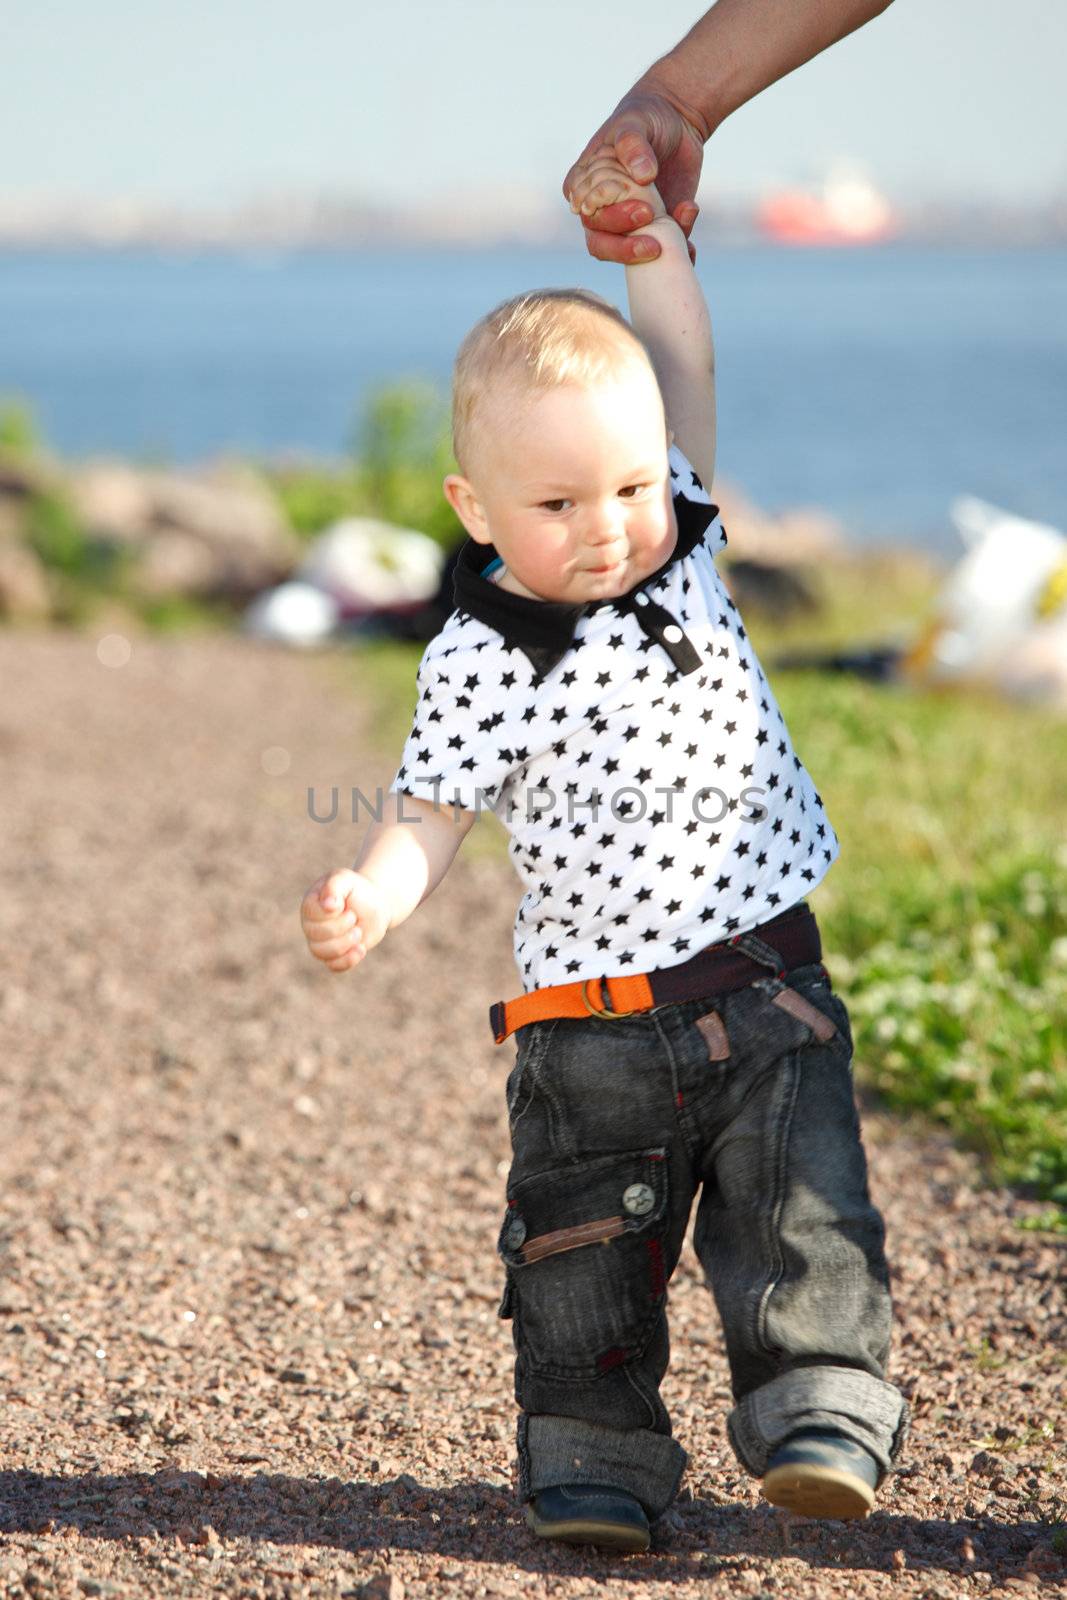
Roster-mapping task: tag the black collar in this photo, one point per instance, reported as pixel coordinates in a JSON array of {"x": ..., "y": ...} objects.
[{"x": 544, "y": 629}]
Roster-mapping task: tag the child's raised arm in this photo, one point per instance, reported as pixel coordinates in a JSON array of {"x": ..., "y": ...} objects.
[{"x": 669, "y": 312}]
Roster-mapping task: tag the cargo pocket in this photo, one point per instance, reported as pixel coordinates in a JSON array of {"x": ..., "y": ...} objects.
[{"x": 583, "y": 1248}]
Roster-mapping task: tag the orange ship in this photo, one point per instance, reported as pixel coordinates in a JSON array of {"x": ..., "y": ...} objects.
[{"x": 848, "y": 209}]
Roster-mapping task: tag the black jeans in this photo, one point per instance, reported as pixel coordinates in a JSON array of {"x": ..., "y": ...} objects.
[{"x": 616, "y": 1125}]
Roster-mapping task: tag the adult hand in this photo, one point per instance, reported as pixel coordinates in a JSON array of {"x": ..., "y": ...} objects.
[{"x": 653, "y": 140}]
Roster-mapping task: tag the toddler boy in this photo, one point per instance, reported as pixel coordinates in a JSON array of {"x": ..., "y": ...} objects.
[{"x": 677, "y": 1032}]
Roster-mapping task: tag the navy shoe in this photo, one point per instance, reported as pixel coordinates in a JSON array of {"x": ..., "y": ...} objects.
[
  {"x": 589, "y": 1513},
  {"x": 818, "y": 1473}
]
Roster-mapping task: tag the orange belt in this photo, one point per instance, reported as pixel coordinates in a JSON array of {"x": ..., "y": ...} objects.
[{"x": 792, "y": 937}]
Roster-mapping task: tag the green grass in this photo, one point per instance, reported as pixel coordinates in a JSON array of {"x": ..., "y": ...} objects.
[{"x": 945, "y": 919}]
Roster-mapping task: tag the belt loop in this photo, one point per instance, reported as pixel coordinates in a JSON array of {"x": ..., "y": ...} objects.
[{"x": 756, "y": 950}]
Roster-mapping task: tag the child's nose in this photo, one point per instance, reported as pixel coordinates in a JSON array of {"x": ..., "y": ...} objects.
[{"x": 608, "y": 525}]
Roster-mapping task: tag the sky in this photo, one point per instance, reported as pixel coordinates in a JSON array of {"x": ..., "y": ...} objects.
[{"x": 423, "y": 99}]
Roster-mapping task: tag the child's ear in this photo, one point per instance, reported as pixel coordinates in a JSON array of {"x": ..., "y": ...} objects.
[{"x": 468, "y": 508}]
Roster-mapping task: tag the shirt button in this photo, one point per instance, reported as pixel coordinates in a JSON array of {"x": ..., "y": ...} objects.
[
  {"x": 516, "y": 1234},
  {"x": 672, "y": 633},
  {"x": 641, "y": 599}
]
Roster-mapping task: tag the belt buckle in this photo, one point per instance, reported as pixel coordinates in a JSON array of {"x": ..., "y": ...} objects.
[{"x": 601, "y": 1011}]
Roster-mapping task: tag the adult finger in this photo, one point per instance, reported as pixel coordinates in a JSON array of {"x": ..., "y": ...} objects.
[
  {"x": 636, "y": 154},
  {"x": 621, "y": 217},
  {"x": 685, "y": 214},
  {"x": 620, "y": 247}
]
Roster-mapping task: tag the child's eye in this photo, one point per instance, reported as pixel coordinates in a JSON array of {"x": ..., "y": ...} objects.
[
  {"x": 554, "y": 505},
  {"x": 631, "y": 489}
]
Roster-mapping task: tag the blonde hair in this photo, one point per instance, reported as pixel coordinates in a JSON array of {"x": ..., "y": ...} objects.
[{"x": 541, "y": 340}]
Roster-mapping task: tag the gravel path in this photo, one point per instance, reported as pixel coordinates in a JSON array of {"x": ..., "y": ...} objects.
[{"x": 248, "y": 1282}]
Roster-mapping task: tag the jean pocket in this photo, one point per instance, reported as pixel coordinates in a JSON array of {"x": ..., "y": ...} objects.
[
  {"x": 583, "y": 1248},
  {"x": 809, "y": 997},
  {"x": 773, "y": 1017}
]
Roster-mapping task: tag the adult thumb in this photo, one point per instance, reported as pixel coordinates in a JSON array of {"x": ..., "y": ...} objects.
[{"x": 637, "y": 155}]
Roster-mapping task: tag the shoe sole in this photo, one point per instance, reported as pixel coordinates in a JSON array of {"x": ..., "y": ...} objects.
[
  {"x": 586, "y": 1530},
  {"x": 814, "y": 1491}
]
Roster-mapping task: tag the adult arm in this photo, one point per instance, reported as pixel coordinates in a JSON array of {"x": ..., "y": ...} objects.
[{"x": 659, "y": 129}]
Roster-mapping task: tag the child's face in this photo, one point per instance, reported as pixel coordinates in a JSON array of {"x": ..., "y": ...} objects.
[{"x": 573, "y": 489}]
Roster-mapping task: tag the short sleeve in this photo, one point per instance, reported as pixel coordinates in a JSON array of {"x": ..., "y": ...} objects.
[
  {"x": 460, "y": 750},
  {"x": 689, "y": 492}
]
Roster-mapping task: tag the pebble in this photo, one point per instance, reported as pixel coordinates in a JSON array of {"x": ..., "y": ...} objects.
[
  {"x": 386, "y": 1586},
  {"x": 288, "y": 1258}
]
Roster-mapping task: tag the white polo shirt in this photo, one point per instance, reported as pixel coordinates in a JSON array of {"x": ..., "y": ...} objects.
[{"x": 635, "y": 753}]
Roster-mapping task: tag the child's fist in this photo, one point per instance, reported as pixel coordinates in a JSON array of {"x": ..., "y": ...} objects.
[
  {"x": 605, "y": 181},
  {"x": 343, "y": 915}
]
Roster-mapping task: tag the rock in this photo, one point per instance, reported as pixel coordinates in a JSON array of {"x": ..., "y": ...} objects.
[
  {"x": 112, "y": 500},
  {"x": 211, "y": 535},
  {"x": 1043, "y": 1560},
  {"x": 24, "y": 592},
  {"x": 796, "y": 537},
  {"x": 230, "y": 510},
  {"x": 177, "y": 563},
  {"x": 775, "y": 589},
  {"x": 21, "y": 477},
  {"x": 385, "y": 1586},
  {"x": 12, "y": 522}
]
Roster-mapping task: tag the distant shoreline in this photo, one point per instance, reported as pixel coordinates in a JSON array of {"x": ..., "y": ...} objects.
[
  {"x": 170, "y": 246},
  {"x": 487, "y": 222}
]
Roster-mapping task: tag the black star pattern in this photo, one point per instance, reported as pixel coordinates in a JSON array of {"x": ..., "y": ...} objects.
[{"x": 489, "y": 729}]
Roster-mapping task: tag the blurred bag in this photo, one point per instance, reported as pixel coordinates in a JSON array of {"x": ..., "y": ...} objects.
[{"x": 1003, "y": 605}]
